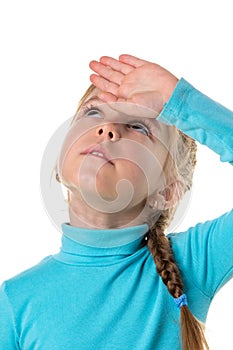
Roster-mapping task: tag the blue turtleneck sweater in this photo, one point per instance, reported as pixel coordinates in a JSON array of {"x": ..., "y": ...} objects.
[{"x": 101, "y": 291}]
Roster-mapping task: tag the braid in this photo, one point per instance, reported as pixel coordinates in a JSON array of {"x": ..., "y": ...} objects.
[
  {"x": 192, "y": 331},
  {"x": 166, "y": 267},
  {"x": 184, "y": 161}
]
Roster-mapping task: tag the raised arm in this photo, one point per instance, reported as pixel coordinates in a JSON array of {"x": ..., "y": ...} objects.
[{"x": 175, "y": 102}]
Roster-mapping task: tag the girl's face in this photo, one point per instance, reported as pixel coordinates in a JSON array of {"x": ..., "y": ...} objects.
[{"x": 114, "y": 155}]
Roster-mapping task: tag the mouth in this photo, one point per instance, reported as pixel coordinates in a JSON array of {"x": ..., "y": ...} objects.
[{"x": 99, "y": 152}]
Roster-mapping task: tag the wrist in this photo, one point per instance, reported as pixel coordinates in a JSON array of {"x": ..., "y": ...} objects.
[{"x": 170, "y": 89}]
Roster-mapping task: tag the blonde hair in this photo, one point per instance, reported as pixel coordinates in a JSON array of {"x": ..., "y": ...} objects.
[{"x": 183, "y": 161}]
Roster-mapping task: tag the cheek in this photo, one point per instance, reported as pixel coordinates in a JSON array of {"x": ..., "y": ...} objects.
[
  {"x": 79, "y": 137},
  {"x": 143, "y": 166},
  {"x": 136, "y": 178},
  {"x": 68, "y": 168},
  {"x": 70, "y": 160},
  {"x": 142, "y": 180}
]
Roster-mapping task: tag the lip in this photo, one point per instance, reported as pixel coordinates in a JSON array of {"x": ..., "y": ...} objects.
[{"x": 99, "y": 149}]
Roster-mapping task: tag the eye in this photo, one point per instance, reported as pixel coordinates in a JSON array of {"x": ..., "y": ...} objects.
[
  {"x": 143, "y": 129},
  {"x": 92, "y": 112}
]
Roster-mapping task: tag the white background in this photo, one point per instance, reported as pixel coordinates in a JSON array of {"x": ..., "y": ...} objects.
[{"x": 45, "y": 50}]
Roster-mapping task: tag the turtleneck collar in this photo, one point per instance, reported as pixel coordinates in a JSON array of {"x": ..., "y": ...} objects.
[
  {"x": 100, "y": 247},
  {"x": 105, "y": 238}
]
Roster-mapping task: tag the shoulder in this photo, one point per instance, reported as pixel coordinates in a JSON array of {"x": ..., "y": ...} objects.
[
  {"x": 212, "y": 238},
  {"x": 221, "y": 225},
  {"x": 199, "y": 250},
  {"x": 26, "y": 281}
]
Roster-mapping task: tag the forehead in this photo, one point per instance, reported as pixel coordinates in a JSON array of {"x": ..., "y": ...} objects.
[
  {"x": 120, "y": 111},
  {"x": 125, "y": 111}
]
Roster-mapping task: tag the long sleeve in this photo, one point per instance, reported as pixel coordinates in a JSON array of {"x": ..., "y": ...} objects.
[
  {"x": 203, "y": 252},
  {"x": 200, "y": 117},
  {"x": 7, "y": 328}
]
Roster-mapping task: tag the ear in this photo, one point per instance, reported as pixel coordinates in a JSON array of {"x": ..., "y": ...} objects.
[
  {"x": 168, "y": 197},
  {"x": 172, "y": 194}
]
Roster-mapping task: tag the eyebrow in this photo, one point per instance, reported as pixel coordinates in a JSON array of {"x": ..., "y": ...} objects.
[{"x": 92, "y": 99}]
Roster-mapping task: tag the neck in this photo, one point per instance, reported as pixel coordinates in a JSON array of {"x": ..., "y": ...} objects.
[{"x": 82, "y": 215}]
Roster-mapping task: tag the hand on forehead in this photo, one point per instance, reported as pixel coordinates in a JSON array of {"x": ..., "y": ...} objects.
[
  {"x": 134, "y": 80},
  {"x": 126, "y": 108}
]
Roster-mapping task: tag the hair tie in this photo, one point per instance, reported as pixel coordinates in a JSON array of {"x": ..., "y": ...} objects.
[{"x": 181, "y": 301}]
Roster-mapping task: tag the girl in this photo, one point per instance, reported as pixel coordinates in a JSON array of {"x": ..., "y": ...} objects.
[{"x": 119, "y": 282}]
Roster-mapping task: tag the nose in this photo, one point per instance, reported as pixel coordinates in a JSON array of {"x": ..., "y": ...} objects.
[{"x": 109, "y": 132}]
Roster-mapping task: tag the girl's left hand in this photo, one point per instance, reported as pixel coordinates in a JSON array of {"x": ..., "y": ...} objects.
[{"x": 134, "y": 80}]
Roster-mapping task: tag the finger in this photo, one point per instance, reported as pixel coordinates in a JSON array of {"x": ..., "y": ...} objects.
[
  {"x": 103, "y": 84},
  {"x": 106, "y": 72},
  {"x": 132, "y": 60},
  {"x": 116, "y": 65}
]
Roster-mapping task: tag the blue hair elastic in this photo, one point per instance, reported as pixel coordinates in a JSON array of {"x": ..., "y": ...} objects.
[{"x": 181, "y": 301}]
